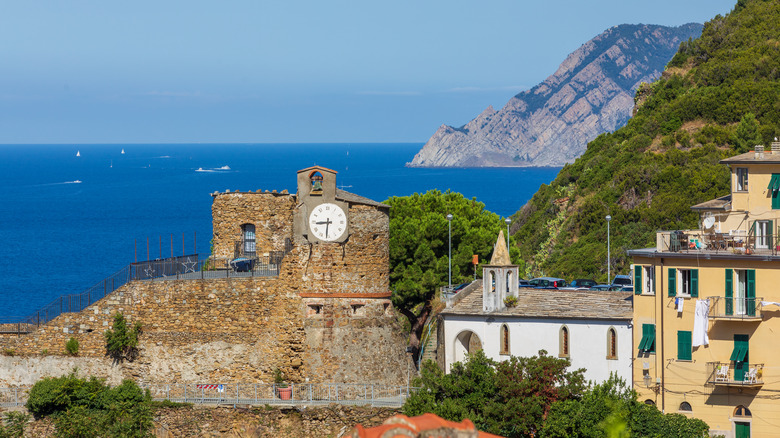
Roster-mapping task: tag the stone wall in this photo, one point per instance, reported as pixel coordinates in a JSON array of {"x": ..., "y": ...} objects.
[{"x": 228, "y": 330}]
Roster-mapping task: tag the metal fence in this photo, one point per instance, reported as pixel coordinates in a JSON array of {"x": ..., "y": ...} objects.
[
  {"x": 296, "y": 394},
  {"x": 188, "y": 267}
]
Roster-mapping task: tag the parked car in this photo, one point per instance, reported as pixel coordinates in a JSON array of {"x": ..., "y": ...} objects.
[
  {"x": 600, "y": 287},
  {"x": 622, "y": 280},
  {"x": 460, "y": 287},
  {"x": 580, "y": 284},
  {"x": 547, "y": 283},
  {"x": 523, "y": 283}
]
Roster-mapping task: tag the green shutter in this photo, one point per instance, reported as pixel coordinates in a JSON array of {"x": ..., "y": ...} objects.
[
  {"x": 694, "y": 283},
  {"x": 648, "y": 338},
  {"x": 729, "y": 291},
  {"x": 774, "y": 187},
  {"x": 750, "y": 294},
  {"x": 672, "y": 282},
  {"x": 637, "y": 279},
  {"x": 740, "y": 356},
  {"x": 684, "y": 345}
]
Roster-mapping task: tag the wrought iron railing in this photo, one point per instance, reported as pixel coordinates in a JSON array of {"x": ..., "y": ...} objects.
[
  {"x": 735, "y": 308},
  {"x": 735, "y": 242},
  {"x": 295, "y": 394}
]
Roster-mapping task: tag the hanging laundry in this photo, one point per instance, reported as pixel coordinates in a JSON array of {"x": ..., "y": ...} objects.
[{"x": 701, "y": 323}]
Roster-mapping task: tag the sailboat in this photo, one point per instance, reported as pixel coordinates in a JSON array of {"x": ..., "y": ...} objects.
[
  {"x": 78, "y": 153},
  {"x": 112, "y": 164},
  {"x": 123, "y": 150}
]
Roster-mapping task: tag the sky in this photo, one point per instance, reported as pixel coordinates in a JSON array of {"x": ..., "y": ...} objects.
[{"x": 261, "y": 71}]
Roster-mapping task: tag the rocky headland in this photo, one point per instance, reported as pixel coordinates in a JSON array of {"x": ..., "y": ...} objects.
[{"x": 592, "y": 92}]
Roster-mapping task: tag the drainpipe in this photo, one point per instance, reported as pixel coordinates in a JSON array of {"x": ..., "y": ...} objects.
[{"x": 663, "y": 368}]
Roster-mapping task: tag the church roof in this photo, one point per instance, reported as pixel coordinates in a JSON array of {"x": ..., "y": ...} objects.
[
  {"x": 500, "y": 252},
  {"x": 551, "y": 303}
]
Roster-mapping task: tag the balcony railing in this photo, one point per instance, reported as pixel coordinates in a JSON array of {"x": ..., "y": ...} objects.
[
  {"x": 735, "y": 308},
  {"x": 734, "y": 242},
  {"x": 735, "y": 374}
]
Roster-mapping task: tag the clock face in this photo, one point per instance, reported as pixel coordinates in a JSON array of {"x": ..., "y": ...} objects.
[{"x": 328, "y": 222}]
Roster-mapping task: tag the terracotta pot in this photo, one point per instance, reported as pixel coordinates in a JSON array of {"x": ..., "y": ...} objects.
[{"x": 284, "y": 393}]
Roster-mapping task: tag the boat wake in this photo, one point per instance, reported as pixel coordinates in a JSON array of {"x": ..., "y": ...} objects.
[{"x": 214, "y": 169}]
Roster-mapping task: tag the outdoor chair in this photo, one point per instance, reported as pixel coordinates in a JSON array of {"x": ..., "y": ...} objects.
[
  {"x": 723, "y": 374},
  {"x": 752, "y": 376}
]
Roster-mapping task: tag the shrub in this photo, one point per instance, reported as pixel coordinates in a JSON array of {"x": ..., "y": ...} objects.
[
  {"x": 72, "y": 347},
  {"x": 13, "y": 424},
  {"x": 510, "y": 301},
  {"x": 122, "y": 341},
  {"x": 9, "y": 352}
]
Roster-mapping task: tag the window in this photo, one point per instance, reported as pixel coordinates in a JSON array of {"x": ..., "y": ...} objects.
[
  {"x": 508, "y": 281},
  {"x": 314, "y": 310},
  {"x": 647, "y": 343},
  {"x": 248, "y": 247},
  {"x": 358, "y": 309},
  {"x": 740, "y": 292},
  {"x": 683, "y": 282},
  {"x": 742, "y": 179},
  {"x": 742, "y": 411},
  {"x": 774, "y": 190},
  {"x": 649, "y": 402},
  {"x": 644, "y": 280},
  {"x": 492, "y": 281},
  {"x": 762, "y": 230},
  {"x": 504, "y": 339},
  {"x": 611, "y": 343},
  {"x": 685, "y": 407},
  {"x": 740, "y": 355},
  {"x": 684, "y": 345},
  {"x": 563, "y": 342}
]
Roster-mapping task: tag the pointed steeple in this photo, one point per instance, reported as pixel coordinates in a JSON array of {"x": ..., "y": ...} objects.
[{"x": 500, "y": 252}]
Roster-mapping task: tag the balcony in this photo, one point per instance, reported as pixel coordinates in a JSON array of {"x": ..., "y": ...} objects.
[
  {"x": 735, "y": 309},
  {"x": 736, "y": 242},
  {"x": 728, "y": 374}
]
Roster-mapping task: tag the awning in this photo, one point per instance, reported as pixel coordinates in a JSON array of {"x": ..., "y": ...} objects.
[
  {"x": 739, "y": 353},
  {"x": 646, "y": 344},
  {"x": 774, "y": 183}
]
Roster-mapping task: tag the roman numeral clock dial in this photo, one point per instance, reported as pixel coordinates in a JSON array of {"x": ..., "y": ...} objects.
[{"x": 328, "y": 222}]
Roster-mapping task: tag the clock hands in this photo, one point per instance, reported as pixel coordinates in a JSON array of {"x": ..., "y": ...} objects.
[{"x": 327, "y": 223}]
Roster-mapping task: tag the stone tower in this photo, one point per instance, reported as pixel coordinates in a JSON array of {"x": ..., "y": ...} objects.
[{"x": 500, "y": 277}]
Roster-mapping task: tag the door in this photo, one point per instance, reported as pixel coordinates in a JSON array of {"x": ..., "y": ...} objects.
[
  {"x": 741, "y": 292},
  {"x": 742, "y": 430},
  {"x": 741, "y": 366},
  {"x": 762, "y": 234}
]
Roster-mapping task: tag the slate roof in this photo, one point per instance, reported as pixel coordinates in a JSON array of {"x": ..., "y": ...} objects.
[
  {"x": 550, "y": 303},
  {"x": 768, "y": 157},
  {"x": 722, "y": 203},
  {"x": 345, "y": 196}
]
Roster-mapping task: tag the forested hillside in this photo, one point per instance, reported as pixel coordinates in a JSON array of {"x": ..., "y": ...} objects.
[{"x": 719, "y": 96}]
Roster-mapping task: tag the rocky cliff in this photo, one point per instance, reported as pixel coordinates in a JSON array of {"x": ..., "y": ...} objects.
[{"x": 551, "y": 124}]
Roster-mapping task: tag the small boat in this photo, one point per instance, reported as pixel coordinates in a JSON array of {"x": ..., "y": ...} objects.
[
  {"x": 112, "y": 164},
  {"x": 78, "y": 153},
  {"x": 78, "y": 181},
  {"x": 224, "y": 168},
  {"x": 123, "y": 151}
]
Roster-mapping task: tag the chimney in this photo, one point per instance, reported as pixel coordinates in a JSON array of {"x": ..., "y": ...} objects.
[
  {"x": 776, "y": 147},
  {"x": 759, "y": 151}
]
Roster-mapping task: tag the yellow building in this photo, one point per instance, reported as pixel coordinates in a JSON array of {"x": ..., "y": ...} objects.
[{"x": 725, "y": 279}]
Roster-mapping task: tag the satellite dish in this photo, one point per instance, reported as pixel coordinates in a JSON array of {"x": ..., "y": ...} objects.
[{"x": 708, "y": 222}]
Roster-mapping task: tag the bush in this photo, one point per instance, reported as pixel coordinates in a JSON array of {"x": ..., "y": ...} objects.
[
  {"x": 72, "y": 347},
  {"x": 13, "y": 424},
  {"x": 122, "y": 341},
  {"x": 510, "y": 301}
]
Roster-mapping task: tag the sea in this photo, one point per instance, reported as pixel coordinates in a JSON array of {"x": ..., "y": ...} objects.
[{"x": 72, "y": 215}]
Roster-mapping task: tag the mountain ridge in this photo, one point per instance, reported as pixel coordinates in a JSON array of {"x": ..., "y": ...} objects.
[{"x": 591, "y": 92}]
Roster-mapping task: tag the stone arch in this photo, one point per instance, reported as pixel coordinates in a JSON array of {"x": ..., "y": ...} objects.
[
  {"x": 563, "y": 341},
  {"x": 508, "y": 282},
  {"x": 492, "y": 279},
  {"x": 467, "y": 342}
]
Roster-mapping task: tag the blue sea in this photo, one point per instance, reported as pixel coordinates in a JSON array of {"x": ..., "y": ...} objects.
[{"x": 67, "y": 222}]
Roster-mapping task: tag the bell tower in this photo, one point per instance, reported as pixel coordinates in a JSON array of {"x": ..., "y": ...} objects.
[{"x": 499, "y": 277}]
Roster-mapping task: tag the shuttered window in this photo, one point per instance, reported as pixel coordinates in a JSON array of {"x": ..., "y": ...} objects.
[
  {"x": 672, "y": 282},
  {"x": 684, "y": 345},
  {"x": 638, "y": 286},
  {"x": 647, "y": 343}
]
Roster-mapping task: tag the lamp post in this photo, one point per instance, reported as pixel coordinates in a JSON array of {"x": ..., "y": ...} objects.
[
  {"x": 609, "y": 272},
  {"x": 449, "y": 257},
  {"x": 508, "y": 221}
]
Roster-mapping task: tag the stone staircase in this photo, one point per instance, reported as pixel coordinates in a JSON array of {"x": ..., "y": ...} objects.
[{"x": 429, "y": 351}]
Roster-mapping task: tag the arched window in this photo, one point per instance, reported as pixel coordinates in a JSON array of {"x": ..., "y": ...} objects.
[
  {"x": 611, "y": 343},
  {"x": 248, "y": 245},
  {"x": 563, "y": 342},
  {"x": 504, "y": 339},
  {"x": 649, "y": 402},
  {"x": 508, "y": 281},
  {"x": 742, "y": 411},
  {"x": 685, "y": 406},
  {"x": 492, "y": 281}
]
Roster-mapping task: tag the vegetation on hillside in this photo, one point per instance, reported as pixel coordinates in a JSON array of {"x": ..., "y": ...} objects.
[
  {"x": 419, "y": 248},
  {"x": 719, "y": 96},
  {"x": 539, "y": 396}
]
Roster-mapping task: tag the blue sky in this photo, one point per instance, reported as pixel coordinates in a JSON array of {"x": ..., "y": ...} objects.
[{"x": 286, "y": 71}]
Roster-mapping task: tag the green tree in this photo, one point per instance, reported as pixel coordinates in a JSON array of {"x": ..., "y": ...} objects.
[
  {"x": 419, "y": 248},
  {"x": 121, "y": 340},
  {"x": 510, "y": 398},
  {"x": 747, "y": 134}
]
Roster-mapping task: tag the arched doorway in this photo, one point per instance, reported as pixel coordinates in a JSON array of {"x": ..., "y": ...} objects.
[{"x": 467, "y": 342}]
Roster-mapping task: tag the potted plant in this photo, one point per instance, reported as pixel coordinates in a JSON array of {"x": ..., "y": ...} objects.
[{"x": 282, "y": 389}]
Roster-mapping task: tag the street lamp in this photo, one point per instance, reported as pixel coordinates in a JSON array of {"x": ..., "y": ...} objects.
[
  {"x": 449, "y": 283},
  {"x": 508, "y": 221},
  {"x": 609, "y": 272}
]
